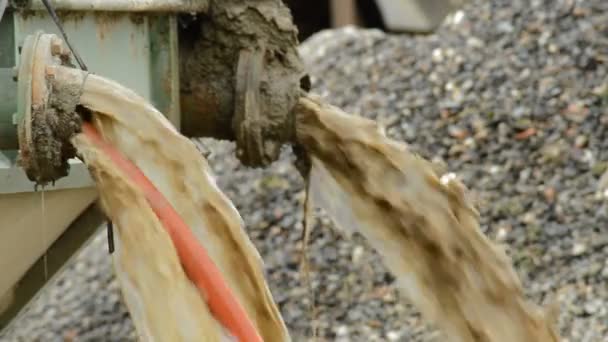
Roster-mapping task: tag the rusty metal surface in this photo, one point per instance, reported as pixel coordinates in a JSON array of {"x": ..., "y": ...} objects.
[{"x": 199, "y": 6}]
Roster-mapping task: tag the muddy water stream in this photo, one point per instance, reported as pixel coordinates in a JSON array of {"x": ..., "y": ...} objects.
[
  {"x": 164, "y": 304},
  {"x": 425, "y": 229}
]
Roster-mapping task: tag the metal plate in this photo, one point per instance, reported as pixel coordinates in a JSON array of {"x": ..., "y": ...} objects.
[{"x": 64, "y": 248}]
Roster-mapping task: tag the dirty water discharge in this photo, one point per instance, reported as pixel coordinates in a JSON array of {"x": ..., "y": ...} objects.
[
  {"x": 423, "y": 226},
  {"x": 163, "y": 302}
]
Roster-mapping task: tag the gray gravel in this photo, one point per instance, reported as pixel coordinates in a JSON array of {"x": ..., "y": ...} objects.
[{"x": 510, "y": 95}]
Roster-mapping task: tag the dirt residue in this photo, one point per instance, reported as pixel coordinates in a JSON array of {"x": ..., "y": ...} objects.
[
  {"x": 52, "y": 127},
  {"x": 210, "y": 49}
]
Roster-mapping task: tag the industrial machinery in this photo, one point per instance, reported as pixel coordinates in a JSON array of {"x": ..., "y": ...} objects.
[
  {"x": 40, "y": 230},
  {"x": 214, "y": 68},
  {"x": 223, "y": 70}
]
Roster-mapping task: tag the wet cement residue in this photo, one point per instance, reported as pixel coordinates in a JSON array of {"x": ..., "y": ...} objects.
[
  {"x": 52, "y": 127},
  {"x": 210, "y": 49}
]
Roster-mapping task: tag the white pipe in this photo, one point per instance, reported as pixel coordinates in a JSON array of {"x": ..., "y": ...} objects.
[{"x": 125, "y": 5}]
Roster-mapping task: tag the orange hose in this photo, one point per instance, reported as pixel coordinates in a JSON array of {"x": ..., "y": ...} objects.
[{"x": 197, "y": 264}]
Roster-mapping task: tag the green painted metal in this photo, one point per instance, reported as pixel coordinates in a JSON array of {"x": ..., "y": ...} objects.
[
  {"x": 7, "y": 41},
  {"x": 8, "y": 87},
  {"x": 164, "y": 66},
  {"x": 43, "y": 271},
  {"x": 165, "y": 6},
  {"x": 115, "y": 45},
  {"x": 8, "y": 107},
  {"x": 14, "y": 180}
]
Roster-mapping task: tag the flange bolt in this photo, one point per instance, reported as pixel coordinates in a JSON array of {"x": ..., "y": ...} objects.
[
  {"x": 16, "y": 73},
  {"x": 56, "y": 46}
]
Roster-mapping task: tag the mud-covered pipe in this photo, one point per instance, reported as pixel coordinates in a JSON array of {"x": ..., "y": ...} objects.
[{"x": 240, "y": 77}]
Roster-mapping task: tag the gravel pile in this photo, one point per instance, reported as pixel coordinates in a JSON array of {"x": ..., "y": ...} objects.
[{"x": 511, "y": 95}]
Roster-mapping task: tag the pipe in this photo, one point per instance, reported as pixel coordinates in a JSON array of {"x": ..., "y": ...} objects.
[
  {"x": 197, "y": 264},
  {"x": 188, "y": 6},
  {"x": 240, "y": 77}
]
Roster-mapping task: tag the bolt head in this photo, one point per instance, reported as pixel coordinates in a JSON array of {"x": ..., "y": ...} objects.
[
  {"x": 56, "y": 46},
  {"x": 50, "y": 71}
]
